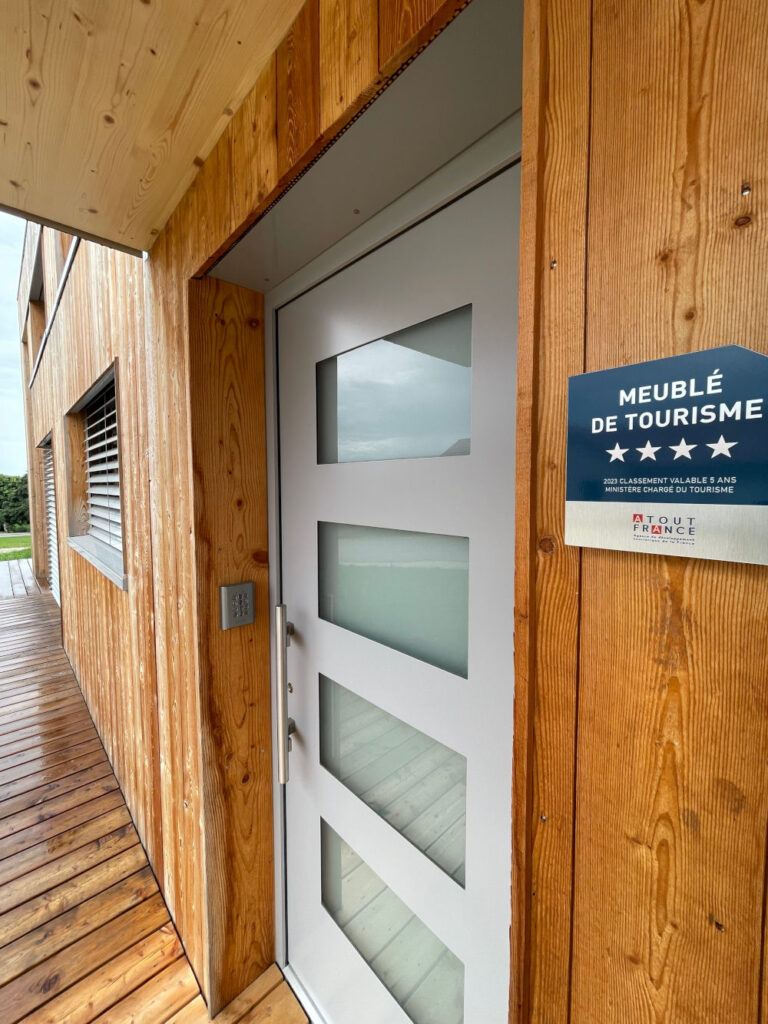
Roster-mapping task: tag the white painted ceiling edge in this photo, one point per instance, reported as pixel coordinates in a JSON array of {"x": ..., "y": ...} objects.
[{"x": 458, "y": 90}]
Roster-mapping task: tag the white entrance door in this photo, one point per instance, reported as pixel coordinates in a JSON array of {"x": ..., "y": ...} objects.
[{"x": 397, "y": 440}]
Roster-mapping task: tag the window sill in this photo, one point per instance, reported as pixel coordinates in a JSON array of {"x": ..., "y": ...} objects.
[{"x": 107, "y": 560}]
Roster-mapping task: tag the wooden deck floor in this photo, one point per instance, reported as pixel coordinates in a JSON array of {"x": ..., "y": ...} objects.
[
  {"x": 17, "y": 579},
  {"x": 84, "y": 932}
]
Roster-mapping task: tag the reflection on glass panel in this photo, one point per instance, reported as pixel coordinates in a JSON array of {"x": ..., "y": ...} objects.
[
  {"x": 422, "y": 974},
  {"x": 405, "y": 396},
  {"x": 415, "y": 783},
  {"x": 407, "y": 590}
]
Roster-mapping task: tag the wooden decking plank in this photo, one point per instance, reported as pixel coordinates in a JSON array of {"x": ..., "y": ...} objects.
[
  {"x": 44, "y": 778},
  {"x": 36, "y": 691},
  {"x": 18, "y": 675},
  {"x": 46, "y": 672},
  {"x": 46, "y": 877},
  {"x": 44, "y": 794},
  {"x": 157, "y": 999},
  {"x": 53, "y": 748},
  {"x": 50, "y": 849},
  {"x": 23, "y": 820},
  {"x": 6, "y": 587},
  {"x": 195, "y": 1012},
  {"x": 13, "y": 723},
  {"x": 47, "y": 830},
  {"x": 39, "y": 944},
  {"x": 280, "y": 1005},
  {"x": 57, "y": 901},
  {"x": 28, "y": 576},
  {"x": 32, "y": 668},
  {"x": 17, "y": 580},
  {"x": 107, "y": 985},
  {"x": 249, "y": 997},
  {"x": 52, "y": 976},
  {"x": 70, "y": 720},
  {"x": 33, "y": 703},
  {"x": 51, "y": 760},
  {"x": 84, "y": 932}
]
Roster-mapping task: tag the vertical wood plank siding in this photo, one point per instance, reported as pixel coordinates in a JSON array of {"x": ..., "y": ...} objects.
[
  {"x": 672, "y": 796},
  {"x": 553, "y": 226},
  {"x": 647, "y": 719},
  {"x": 226, "y": 382},
  {"x": 108, "y": 634}
]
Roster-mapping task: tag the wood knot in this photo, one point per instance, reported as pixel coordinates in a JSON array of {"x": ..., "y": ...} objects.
[
  {"x": 254, "y": 322},
  {"x": 108, "y": 119},
  {"x": 547, "y": 545},
  {"x": 741, "y": 222}
]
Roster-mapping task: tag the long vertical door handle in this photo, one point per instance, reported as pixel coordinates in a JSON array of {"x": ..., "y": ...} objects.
[{"x": 283, "y": 631}]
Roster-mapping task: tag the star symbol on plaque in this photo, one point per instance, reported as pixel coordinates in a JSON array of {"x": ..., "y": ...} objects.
[
  {"x": 648, "y": 452},
  {"x": 616, "y": 453},
  {"x": 721, "y": 447},
  {"x": 682, "y": 450}
]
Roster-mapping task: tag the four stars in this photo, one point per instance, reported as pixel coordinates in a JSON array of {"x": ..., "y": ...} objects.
[{"x": 682, "y": 450}]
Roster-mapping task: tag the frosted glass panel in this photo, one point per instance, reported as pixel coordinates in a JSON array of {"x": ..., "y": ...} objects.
[
  {"x": 407, "y": 590},
  {"x": 420, "y": 972},
  {"x": 405, "y": 396},
  {"x": 415, "y": 783}
]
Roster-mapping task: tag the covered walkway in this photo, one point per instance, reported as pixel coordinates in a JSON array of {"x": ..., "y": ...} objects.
[{"x": 84, "y": 932}]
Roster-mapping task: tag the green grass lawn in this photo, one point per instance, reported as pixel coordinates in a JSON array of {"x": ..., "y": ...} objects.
[
  {"x": 13, "y": 540},
  {"x": 11, "y": 556},
  {"x": 18, "y": 541}
]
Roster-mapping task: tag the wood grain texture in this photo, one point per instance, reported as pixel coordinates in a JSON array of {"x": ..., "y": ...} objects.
[
  {"x": 160, "y": 85},
  {"x": 399, "y": 21},
  {"x": 349, "y": 54},
  {"x": 108, "y": 633},
  {"x": 672, "y": 800},
  {"x": 553, "y": 224},
  {"x": 173, "y": 570},
  {"x": 343, "y": 36},
  {"x": 230, "y": 495},
  {"x": 298, "y": 88},
  {"x": 76, "y": 890},
  {"x": 253, "y": 140}
]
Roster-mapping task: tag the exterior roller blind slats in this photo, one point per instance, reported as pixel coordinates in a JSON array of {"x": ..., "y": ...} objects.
[
  {"x": 102, "y": 469},
  {"x": 51, "y": 533}
]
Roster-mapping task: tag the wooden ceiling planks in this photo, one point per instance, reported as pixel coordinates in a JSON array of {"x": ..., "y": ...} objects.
[{"x": 109, "y": 108}]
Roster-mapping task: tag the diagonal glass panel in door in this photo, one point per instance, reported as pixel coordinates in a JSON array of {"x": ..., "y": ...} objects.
[
  {"x": 407, "y": 590},
  {"x": 406, "y": 396},
  {"x": 409, "y": 779},
  {"x": 419, "y": 971}
]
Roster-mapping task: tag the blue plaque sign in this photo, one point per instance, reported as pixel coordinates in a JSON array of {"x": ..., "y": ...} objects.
[{"x": 671, "y": 457}]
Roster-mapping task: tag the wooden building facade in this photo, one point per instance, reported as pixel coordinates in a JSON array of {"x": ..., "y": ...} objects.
[{"x": 639, "y": 779}]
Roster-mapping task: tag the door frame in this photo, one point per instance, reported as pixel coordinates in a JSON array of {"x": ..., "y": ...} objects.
[{"x": 493, "y": 153}]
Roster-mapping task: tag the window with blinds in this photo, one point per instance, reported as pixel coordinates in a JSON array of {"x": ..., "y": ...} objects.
[
  {"x": 102, "y": 468},
  {"x": 51, "y": 532}
]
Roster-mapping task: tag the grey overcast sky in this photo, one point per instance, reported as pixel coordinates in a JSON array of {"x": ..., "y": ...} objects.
[{"x": 13, "y": 454}]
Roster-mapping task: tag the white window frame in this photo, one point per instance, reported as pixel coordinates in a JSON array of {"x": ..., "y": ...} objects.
[
  {"x": 96, "y": 520},
  {"x": 50, "y": 516}
]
